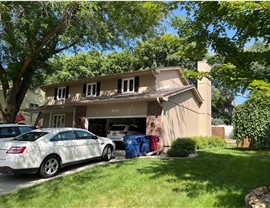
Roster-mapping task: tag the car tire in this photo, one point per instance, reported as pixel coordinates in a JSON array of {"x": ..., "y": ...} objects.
[
  {"x": 107, "y": 153},
  {"x": 50, "y": 167}
]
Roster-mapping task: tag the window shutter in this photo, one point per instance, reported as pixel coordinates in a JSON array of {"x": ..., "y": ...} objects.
[
  {"x": 119, "y": 89},
  {"x": 67, "y": 92},
  {"x": 98, "y": 88},
  {"x": 55, "y": 93},
  {"x": 84, "y": 90},
  {"x": 137, "y": 79}
]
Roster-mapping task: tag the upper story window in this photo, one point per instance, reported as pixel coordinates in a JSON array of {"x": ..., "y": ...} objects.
[
  {"x": 128, "y": 85},
  {"x": 61, "y": 93},
  {"x": 33, "y": 105},
  {"x": 91, "y": 89}
]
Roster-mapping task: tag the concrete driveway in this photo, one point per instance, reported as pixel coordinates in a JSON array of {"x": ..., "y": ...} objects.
[{"x": 9, "y": 183}]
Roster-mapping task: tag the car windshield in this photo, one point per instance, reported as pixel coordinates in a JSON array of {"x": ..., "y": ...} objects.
[{"x": 30, "y": 136}]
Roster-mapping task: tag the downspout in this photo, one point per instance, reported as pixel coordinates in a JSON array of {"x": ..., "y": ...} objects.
[
  {"x": 50, "y": 121},
  {"x": 162, "y": 112},
  {"x": 74, "y": 122}
]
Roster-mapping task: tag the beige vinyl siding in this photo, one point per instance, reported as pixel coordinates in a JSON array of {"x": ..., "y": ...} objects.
[
  {"x": 180, "y": 117},
  {"x": 168, "y": 79},
  {"x": 116, "y": 110}
]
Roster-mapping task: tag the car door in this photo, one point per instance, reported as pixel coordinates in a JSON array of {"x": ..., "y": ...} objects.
[
  {"x": 66, "y": 145},
  {"x": 90, "y": 145}
]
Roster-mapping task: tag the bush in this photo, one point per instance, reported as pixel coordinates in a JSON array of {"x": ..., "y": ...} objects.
[
  {"x": 182, "y": 147},
  {"x": 215, "y": 141},
  {"x": 252, "y": 120},
  {"x": 201, "y": 142}
]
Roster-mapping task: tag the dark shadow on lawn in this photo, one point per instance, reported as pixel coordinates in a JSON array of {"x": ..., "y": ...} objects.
[{"x": 235, "y": 174}]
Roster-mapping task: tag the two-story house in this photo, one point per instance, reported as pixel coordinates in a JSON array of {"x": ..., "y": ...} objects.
[
  {"x": 160, "y": 99},
  {"x": 32, "y": 100}
]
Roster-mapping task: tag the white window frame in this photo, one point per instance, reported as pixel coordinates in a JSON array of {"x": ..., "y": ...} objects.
[
  {"x": 58, "y": 120},
  {"x": 89, "y": 89},
  {"x": 128, "y": 80},
  {"x": 33, "y": 105},
  {"x": 61, "y": 93}
]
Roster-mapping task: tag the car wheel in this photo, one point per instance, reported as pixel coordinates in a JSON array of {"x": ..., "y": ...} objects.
[
  {"x": 50, "y": 167},
  {"x": 107, "y": 153}
]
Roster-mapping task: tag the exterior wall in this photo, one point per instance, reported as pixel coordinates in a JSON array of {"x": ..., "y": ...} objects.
[
  {"x": 168, "y": 79},
  {"x": 46, "y": 120},
  {"x": 180, "y": 117},
  {"x": 108, "y": 87},
  {"x": 204, "y": 88},
  {"x": 117, "y": 110},
  {"x": 37, "y": 97}
]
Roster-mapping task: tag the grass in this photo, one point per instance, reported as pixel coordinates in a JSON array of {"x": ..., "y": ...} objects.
[{"x": 216, "y": 178}]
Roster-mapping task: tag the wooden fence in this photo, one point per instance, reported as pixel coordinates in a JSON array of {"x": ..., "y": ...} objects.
[{"x": 218, "y": 131}]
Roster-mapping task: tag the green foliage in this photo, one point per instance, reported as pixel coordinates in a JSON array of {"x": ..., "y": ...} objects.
[
  {"x": 161, "y": 51},
  {"x": 215, "y": 141},
  {"x": 222, "y": 105},
  {"x": 182, "y": 147},
  {"x": 260, "y": 92},
  {"x": 33, "y": 32},
  {"x": 227, "y": 27},
  {"x": 217, "y": 121},
  {"x": 252, "y": 120},
  {"x": 203, "y": 142}
]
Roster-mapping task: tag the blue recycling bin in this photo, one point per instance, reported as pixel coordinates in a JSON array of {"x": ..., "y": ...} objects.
[
  {"x": 132, "y": 145},
  {"x": 145, "y": 145}
]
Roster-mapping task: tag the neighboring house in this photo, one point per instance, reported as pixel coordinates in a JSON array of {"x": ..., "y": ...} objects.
[
  {"x": 160, "y": 99},
  {"x": 32, "y": 101}
]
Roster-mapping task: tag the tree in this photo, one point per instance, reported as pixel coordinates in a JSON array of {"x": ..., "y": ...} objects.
[
  {"x": 165, "y": 50},
  {"x": 227, "y": 28},
  {"x": 33, "y": 32},
  {"x": 81, "y": 65}
]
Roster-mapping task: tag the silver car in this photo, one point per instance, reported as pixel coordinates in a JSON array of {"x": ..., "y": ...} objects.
[{"x": 46, "y": 151}]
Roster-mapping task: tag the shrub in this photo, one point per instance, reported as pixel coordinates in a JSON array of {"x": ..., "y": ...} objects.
[
  {"x": 215, "y": 141},
  {"x": 182, "y": 147},
  {"x": 252, "y": 120},
  {"x": 201, "y": 142}
]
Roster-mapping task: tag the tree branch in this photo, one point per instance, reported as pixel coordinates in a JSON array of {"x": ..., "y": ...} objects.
[
  {"x": 4, "y": 81},
  {"x": 63, "y": 23}
]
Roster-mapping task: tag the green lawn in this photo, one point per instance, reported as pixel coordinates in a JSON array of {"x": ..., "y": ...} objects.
[{"x": 216, "y": 178}]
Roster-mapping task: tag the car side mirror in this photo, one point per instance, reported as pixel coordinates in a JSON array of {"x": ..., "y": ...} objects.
[{"x": 95, "y": 137}]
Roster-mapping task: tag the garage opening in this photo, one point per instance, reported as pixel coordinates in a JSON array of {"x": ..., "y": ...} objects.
[{"x": 100, "y": 126}]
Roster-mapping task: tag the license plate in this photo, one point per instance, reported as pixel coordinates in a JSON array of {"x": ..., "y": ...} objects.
[{"x": 114, "y": 134}]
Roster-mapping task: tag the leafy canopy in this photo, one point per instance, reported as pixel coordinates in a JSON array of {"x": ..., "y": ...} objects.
[
  {"x": 227, "y": 27},
  {"x": 32, "y": 32}
]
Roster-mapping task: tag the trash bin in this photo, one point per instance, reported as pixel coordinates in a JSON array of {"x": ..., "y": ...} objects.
[
  {"x": 154, "y": 139},
  {"x": 145, "y": 147},
  {"x": 132, "y": 145}
]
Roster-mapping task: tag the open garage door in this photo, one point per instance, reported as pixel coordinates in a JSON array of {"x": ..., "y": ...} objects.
[
  {"x": 100, "y": 126},
  {"x": 102, "y": 116}
]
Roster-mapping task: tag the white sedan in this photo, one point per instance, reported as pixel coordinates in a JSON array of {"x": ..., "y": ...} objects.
[{"x": 46, "y": 151}]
